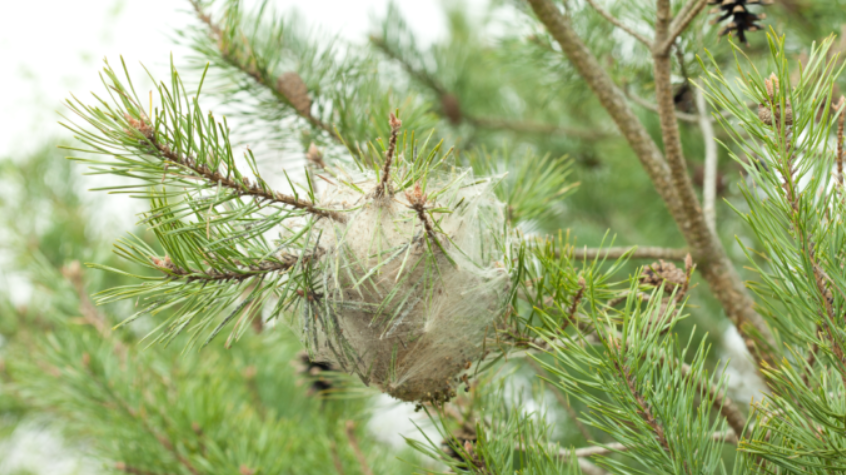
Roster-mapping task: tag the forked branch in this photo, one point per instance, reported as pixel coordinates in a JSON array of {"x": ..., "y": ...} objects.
[
  {"x": 614, "y": 21},
  {"x": 673, "y": 185}
]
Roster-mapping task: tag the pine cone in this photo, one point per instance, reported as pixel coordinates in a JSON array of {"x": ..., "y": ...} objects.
[
  {"x": 663, "y": 273},
  {"x": 742, "y": 20},
  {"x": 292, "y": 86}
]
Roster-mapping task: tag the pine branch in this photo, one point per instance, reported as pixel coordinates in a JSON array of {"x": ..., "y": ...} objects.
[
  {"x": 614, "y": 21},
  {"x": 451, "y": 106},
  {"x": 258, "y": 269},
  {"x": 841, "y": 121},
  {"x": 289, "y": 87},
  {"x": 637, "y": 252},
  {"x": 362, "y": 461},
  {"x": 531, "y": 127},
  {"x": 122, "y": 467},
  {"x": 704, "y": 245},
  {"x": 608, "y": 449},
  {"x": 679, "y": 24},
  {"x": 722, "y": 403},
  {"x": 389, "y": 157},
  {"x": 215, "y": 178},
  {"x": 682, "y": 116}
]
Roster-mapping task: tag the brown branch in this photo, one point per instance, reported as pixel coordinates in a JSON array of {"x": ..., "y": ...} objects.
[
  {"x": 90, "y": 314},
  {"x": 680, "y": 23},
  {"x": 244, "y": 188},
  {"x": 417, "y": 201},
  {"x": 167, "y": 266},
  {"x": 840, "y": 125},
  {"x": 614, "y": 21},
  {"x": 637, "y": 252},
  {"x": 730, "y": 412},
  {"x": 389, "y": 156},
  {"x": 336, "y": 459},
  {"x": 451, "y": 107},
  {"x": 362, "y": 461},
  {"x": 123, "y": 467},
  {"x": 684, "y": 116},
  {"x": 706, "y": 249},
  {"x": 725, "y": 436},
  {"x": 532, "y": 127},
  {"x": 643, "y": 407},
  {"x": 289, "y": 86}
]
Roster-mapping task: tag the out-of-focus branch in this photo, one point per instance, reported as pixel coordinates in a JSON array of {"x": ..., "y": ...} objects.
[
  {"x": 726, "y": 407},
  {"x": 645, "y": 252},
  {"x": 673, "y": 185},
  {"x": 654, "y": 108},
  {"x": 532, "y": 127},
  {"x": 451, "y": 106},
  {"x": 680, "y": 23},
  {"x": 614, "y": 21},
  {"x": 288, "y": 87},
  {"x": 362, "y": 461},
  {"x": 725, "y": 436},
  {"x": 709, "y": 184}
]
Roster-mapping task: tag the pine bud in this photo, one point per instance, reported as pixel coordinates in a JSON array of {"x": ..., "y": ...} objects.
[{"x": 765, "y": 111}]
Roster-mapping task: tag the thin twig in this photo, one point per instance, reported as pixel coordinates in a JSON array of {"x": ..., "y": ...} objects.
[
  {"x": 730, "y": 412},
  {"x": 258, "y": 190},
  {"x": 614, "y": 21},
  {"x": 275, "y": 84},
  {"x": 285, "y": 263},
  {"x": 452, "y": 108},
  {"x": 682, "y": 116},
  {"x": 680, "y": 23},
  {"x": 336, "y": 459},
  {"x": 634, "y": 252},
  {"x": 383, "y": 185},
  {"x": 531, "y": 127},
  {"x": 709, "y": 185},
  {"x": 841, "y": 105},
  {"x": 123, "y": 467},
  {"x": 362, "y": 461},
  {"x": 90, "y": 314},
  {"x": 725, "y": 436}
]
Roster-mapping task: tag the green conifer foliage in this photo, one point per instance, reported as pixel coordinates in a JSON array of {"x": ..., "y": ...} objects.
[{"x": 529, "y": 236}]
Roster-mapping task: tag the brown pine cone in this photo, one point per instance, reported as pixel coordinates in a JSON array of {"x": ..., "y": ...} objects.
[{"x": 662, "y": 272}]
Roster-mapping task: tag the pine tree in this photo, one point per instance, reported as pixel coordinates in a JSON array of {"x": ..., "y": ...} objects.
[{"x": 423, "y": 239}]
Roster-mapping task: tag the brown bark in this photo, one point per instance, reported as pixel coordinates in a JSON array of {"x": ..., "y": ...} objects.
[{"x": 668, "y": 176}]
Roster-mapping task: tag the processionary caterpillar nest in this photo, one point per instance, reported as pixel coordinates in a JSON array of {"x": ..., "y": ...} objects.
[{"x": 403, "y": 291}]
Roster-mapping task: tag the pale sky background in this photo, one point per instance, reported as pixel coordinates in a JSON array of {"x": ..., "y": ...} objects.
[{"x": 51, "y": 48}]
